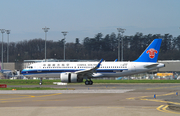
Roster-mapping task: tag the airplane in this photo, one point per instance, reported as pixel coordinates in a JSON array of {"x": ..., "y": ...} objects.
[
  {"x": 74, "y": 72},
  {"x": 5, "y": 72}
]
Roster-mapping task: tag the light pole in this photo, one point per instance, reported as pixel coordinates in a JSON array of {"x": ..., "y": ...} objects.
[
  {"x": 8, "y": 32},
  {"x": 45, "y": 30},
  {"x": 120, "y": 30},
  {"x": 118, "y": 46},
  {"x": 64, "y": 33},
  {"x": 2, "y": 66}
]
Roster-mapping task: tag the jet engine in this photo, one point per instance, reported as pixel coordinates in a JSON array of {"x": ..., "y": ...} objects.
[{"x": 69, "y": 77}]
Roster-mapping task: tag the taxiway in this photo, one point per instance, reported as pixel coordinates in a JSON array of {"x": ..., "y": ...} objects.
[{"x": 98, "y": 99}]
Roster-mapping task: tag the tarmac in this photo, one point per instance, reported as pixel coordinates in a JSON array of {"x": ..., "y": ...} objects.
[{"x": 98, "y": 99}]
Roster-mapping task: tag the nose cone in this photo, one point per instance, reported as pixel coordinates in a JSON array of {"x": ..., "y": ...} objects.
[{"x": 23, "y": 71}]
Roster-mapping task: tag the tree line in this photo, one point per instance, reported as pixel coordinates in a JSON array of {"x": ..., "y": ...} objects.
[{"x": 92, "y": 48}]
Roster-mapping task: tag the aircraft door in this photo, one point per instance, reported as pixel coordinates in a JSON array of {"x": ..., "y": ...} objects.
[
  {"x": 39, "y": 69},
  {"x": 133, "y": 67}
]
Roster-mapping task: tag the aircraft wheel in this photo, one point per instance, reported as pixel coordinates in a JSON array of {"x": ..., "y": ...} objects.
[
  {"x": 86, "y": 82},
  {"x": 90, "y": 82}
]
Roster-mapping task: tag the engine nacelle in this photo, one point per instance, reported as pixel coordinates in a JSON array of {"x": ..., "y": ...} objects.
[{"x": 69, "y": 77}]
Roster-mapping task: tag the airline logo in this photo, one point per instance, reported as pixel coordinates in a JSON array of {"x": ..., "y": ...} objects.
[{"x": 151, "y": 53}]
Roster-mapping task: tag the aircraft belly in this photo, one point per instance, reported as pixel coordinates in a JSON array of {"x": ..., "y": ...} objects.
[{"x": 55, "y": 75}]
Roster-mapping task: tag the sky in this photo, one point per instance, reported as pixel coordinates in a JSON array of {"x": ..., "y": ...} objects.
[{"x": 86, "y": 18}]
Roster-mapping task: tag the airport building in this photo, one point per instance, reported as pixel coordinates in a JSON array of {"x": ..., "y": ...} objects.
[{"x": 170, "y": 66}]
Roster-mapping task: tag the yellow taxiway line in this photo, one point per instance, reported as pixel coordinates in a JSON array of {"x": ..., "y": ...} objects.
[
  {"x": 6, "y": 100},
  {"x": 162, "y": 87},
  {"x": 163, "y": 108}
]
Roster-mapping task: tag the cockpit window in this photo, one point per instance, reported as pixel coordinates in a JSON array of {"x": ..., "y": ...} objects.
[{"x": 29, "y": 67}]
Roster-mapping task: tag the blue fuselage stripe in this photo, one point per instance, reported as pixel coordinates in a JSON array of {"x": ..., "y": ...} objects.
[{"x": 43, "y": 71}]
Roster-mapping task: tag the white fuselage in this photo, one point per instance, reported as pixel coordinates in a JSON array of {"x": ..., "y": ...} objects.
[{"x": 106, "y": 69}]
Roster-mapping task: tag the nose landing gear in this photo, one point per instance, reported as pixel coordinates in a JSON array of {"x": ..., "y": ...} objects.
[{"x": 40, "y": 83}]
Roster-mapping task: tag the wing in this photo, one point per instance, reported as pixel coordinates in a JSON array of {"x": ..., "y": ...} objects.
[{"x": 89, "y": 72}]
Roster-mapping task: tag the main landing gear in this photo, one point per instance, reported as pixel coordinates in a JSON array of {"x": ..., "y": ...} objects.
[{"x": 88, "y": 82}]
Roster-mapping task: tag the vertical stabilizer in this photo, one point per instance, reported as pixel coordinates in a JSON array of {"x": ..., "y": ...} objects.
[{"x": 151, "y": 53}]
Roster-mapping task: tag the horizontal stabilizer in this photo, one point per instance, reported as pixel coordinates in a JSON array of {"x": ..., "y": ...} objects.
[{"x": 151, "y": 66}]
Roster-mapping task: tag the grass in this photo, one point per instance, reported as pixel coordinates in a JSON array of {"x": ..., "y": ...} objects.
[
  {"x": 35, "y": 88},
  {"x": 27, "y": 82},
  {"x": 50, "y": 82},
  {"x": 136, "y": 81}
]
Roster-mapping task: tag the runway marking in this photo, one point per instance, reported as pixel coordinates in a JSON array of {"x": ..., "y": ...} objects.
[
  {"x": 163, "y": 108},
  {"x": 151, "y": 96},
  {"x": 137, "y": 97},
  {"x": 49, "y": 95},
  {"x": 149, "y": 107},
  {"x": 28, "y": 96},
  {"x": 9, "y": 101},
  {"x": 162, "y": 87},
  {"x": 155, "y": 100},
  {"x": 50, "y": 100},
  {"x": 159, "y": 108},
  {"x": 167, "y": 94},
  {"x": 30, "y": 100},
  {"x": 17, "y": 95},
  {"x": 23, "y": 95},
  {"x": 16, "y": 98}
]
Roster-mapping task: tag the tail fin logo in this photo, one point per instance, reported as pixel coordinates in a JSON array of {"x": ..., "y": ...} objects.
[{"x": 151, "y": 53}]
